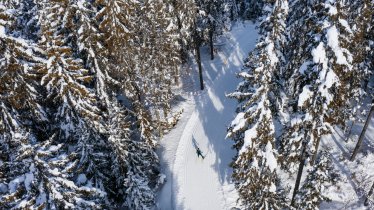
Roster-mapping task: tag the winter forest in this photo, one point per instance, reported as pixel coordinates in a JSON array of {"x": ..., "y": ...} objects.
[{"x": 187, "y": 104}]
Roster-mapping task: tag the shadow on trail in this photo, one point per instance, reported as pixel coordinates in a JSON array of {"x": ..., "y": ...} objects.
[{"x": 216, "y": 111}]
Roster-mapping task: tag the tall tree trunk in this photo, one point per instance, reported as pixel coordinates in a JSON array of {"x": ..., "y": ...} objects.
[
  {"x": 198, "y": 57},
  {"x": 200, "y": 68},
  {"x": 366, "y": 203},
  {"x": 300, "y": 171},
  {"x": 361, "y": 138}
]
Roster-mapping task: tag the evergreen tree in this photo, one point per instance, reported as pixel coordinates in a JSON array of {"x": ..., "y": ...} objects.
[
  {"x": 19, "y": 97},
  {"x": 41, "y": 177},
  {"x": 72, "y": 107},
  {"x": 184, "y": 15},
  {"x": 160, "y": 70},
  {"x": 253, "y": 129},
  {"x": 321, "y": 75},
  {"x": 63, "y": 76},
  {"x": 93, "y": 51},
  {"x": 152, "y": 58},
  {"x": 250, "y": 9},
  {"x": 319, "y": 177},
  {"x": 134, "y": 164},
  {"x": 18, "y": 107},
  {"x": 37, "y": 175}
]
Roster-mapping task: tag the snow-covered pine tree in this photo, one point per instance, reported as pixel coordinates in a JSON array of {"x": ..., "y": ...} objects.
[
  {"x": 107, "y": 29},
  {"x": 119, "y": 21},
  {"x": 253, "y": 128},
  {"x": 250, "y": 9},
  {"x": 320, "y": 176},
  {"x": 72, "y": 107},
  {"x": 148, "y": 33},
  {"x": 113, "y": 150},
  {"x": 36, "y": 178},
  {"x": 19, "y": 107},
  {"x": 134, "y": 163},
  {"x": 63, "y": 76},
  {"x": 34, "y": 174},
  {"x": 184, "y": 13},
  {"x": 93, "y": 51},
  {"x": 161, "y": 62},
  {"x": 321, "y": 70},
  {"x": 19, "y": 97},
  {"x": 360, "y": 17}
]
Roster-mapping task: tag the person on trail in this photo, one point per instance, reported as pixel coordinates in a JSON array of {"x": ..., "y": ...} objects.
[{"x": 199, "y": 153}]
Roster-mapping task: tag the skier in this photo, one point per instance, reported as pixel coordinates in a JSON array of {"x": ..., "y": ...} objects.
[{"x": 199, "y": 153}]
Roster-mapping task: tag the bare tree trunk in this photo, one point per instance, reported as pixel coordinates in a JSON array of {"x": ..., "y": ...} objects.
[
  {"x": 300, "y": 171},
  {"x": 198, "y": 57},
  {"x": 366, "y": 203},
  {"x": 200, "y": 68},
  {"x": 362, "y": 135}
]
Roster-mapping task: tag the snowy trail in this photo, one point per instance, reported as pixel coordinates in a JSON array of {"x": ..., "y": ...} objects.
[{"x": 193, "y": 183}]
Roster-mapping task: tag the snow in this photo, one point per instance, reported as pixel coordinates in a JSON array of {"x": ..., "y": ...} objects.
[
  {"x": 331, "y": 79},
  {"x": 328, "y": 80},
  {"x": 319, "y": 55},
  {"x": 272, "y": 188},
  {"x": 54, "y": 172},
  {"x": 239, "y": 122},
  {"x": 2, "y": 31},
  {"x": 270, "y": 51},
  {"x": 304, "y": 96},
  {"x": 271, "y": 161},
  {"x": 215, "y": 100},
  {"x": 248, "y": 136},
  {"x": 332, "y": 9},
  {"x": 356, "y": 176},
  {"x": 18, "y": 135},
  {"x": 304, "y": 67},
  {"x": 3, "y": 188},
  {"x": 81, "y": 179},
  {"x": 42, "y": 198},
  {"x": 345, "y": 24},
  {"x": 170, "y": 27},
  {"x": 193, "y": 183},
  {"x": 332, "y": 36},
  {"x": 13, "y": 185},
  {"x": 80, "y": 4},
  {"x": 29, "y": 177}
]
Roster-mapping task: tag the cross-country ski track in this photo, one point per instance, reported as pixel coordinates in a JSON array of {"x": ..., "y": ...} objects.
[{"x": 191, "y": 182}]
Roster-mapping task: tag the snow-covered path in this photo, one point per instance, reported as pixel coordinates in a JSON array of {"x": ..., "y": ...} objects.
[{"x": 193, "y": 183}]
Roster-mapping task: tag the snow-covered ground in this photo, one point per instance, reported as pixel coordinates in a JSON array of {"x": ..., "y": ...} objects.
[
  {"x": 197, "y": 184},
  {"x": 356, "y": 176},
  {"x": 194, "y": 183}
]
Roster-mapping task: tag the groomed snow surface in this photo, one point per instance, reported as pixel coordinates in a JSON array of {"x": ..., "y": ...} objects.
[{"x": 191, "y": 182}]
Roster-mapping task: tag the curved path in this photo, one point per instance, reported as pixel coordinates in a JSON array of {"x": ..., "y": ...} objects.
[{"x": 194, "y": 183}]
